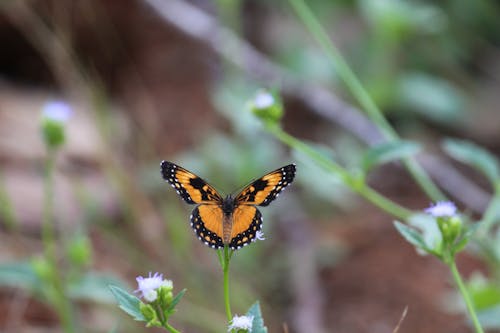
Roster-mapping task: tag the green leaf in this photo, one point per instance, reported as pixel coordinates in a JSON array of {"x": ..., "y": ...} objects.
[
  {"x": 93, "y": 286},
  {"x": 432, "y": 97},
  {"x": 413, "y": 237},
  {"x": 176, "y": 300},
  {"x": 477, "y": 157},
  {"x": 258, "y": 321},
  {"x": 128, "y": 303},
  {"x": 388, "y": 151},
  {"x": 464, "y": 239},
  {"x": 19, "y": 275},
  {"x": 490, "y": 318}
]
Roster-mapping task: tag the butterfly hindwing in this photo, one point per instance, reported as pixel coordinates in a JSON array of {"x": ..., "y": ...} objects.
[
  {"x": 265, "y": 189},
  {"x": 206, "y": 221},
  {"x": 247, "y": 220},
  {"x": 189, "y": 186}
]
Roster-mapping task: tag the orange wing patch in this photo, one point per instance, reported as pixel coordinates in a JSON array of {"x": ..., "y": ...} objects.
[
  {"x": 206, "y": 222},
  {"x": 267, "y": 188},
  {"x": 189, "y": 186},
  {"x": 247, "y": 220}
]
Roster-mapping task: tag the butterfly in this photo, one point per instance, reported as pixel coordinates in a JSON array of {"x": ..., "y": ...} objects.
[{"x": 232, "y": 220}]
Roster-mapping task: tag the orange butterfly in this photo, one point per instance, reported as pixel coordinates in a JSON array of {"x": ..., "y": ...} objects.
[{"x": 232, "y": 221}]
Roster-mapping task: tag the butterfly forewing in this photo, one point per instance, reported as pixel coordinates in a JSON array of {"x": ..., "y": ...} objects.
[
  {"x": 189, "y": 186},
  {"x": 265, "y": 189}
]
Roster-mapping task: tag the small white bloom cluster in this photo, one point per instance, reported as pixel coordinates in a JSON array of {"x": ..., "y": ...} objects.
[
  {"x": 263, "y": 100},
  {"x": 442, "y": 209},
  {"x": 241, "y": 323},
  {"x": 148, "y": 285},
  {"x": 57, "y": 110}
]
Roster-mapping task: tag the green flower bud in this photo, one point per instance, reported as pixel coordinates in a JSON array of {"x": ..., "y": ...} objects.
[
  {"x": 42, "y": 268},
  {"x": 149, "y": 314},
  {"x": 54, "y": 117},
  {"x": 165, "y": 295},
  {"x": 450, "y": 227},
  {"x": 80, "y": 250},
  {"x": 267, "y": 107}
]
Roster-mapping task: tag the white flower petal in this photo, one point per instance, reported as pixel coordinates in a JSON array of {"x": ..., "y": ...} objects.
[
  {"x": 263, "y": 100},
  {"x": 241, "y": 323},
  {"x": 442, "y": 209}
]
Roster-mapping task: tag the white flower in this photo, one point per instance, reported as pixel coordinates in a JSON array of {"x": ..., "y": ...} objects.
[
  {"x": 259, "y": 235},
  {"x": 442, "y": 209},
  {"x": 57, "y": 111},
  {"x": 241, "y": 323},
  {"x": 148, "y": 286},
  {"x": 263, "y": 100}
]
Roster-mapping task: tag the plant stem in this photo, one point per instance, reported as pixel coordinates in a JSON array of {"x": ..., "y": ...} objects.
[
  {"x": 352, "y": 182},
  {"x": 491, "y": 213},
  {"x": 171, "y": 328},
  {"x": 465, "y": 295},
  {"x": 6, "y": 209},
  {"x": 225, "y": 269},
  {"x": 362, "y": 96},
  {"x": 61, "y": 301}
]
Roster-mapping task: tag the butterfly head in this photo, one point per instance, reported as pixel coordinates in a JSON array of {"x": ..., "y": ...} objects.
[{"x": 228, "y": 205}]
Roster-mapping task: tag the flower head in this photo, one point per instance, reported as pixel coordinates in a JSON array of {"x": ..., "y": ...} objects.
[
  {"x": 148, "y": 286},
  {"x": 55, "y": 114},
  {"x": 241, "y": 323},
  {"x": 259, "y": 235},
  {"x": 57, "y": 111},
  {"x": 442, "y": 209},
  {"x": 263, "y": 100}
]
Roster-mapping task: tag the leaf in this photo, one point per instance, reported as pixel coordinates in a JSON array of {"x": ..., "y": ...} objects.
[
  {"x": 388, "y": 151},
  {"x": 258, "y": 321},
  {"x": 412, "y": 236},
  {"x": 490, "y": 318},
  {"x": 93, "y": 287},
  {"x": 432, "y": 97},
  {"x": 428, "y": 228},
  {"x": 475, "y": 156},
  {"x": 176, "y": 300},
  {"x": 19, "y": 275},
  {"x": 128, "y": 303},
  {"x": 464, "y": 239}
]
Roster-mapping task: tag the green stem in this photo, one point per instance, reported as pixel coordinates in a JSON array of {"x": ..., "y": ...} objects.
[
  {"x": 364, "y": 99},
  {"x": 6, "y": 208},
  {"x": 61, "y": 301},
  {"x": 465, "y": 295},
  {"x": 352, "y": 182},
  {"x": 171, "y": 329},
  {"x": 225, "y": 269},
  {"x": 491, "y": 213}
]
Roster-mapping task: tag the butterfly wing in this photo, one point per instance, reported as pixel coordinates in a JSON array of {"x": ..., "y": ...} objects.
[
  {"x": 265, "y": 189},
  {"x": 189, "y": 186},
  {"x": 206, "y": 221},
  {"x": 247, "y": 220}
]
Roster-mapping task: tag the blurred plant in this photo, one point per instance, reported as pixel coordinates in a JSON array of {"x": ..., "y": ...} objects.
[
  {"x": 453, "y": 238},
  {"x": 54, "y": 117},
  {"x": 61, "y": 274},
  {"x": 453, "y": 234}
]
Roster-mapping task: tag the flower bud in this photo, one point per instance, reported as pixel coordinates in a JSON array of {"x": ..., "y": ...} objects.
[
  {"x": 267, "y": 107},
  {"x": 54, "y": 117},
  {"x": 149, "y": 314}
]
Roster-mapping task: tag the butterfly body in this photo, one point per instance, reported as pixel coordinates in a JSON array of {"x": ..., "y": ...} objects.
[{"x": 232, "y": 220}]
